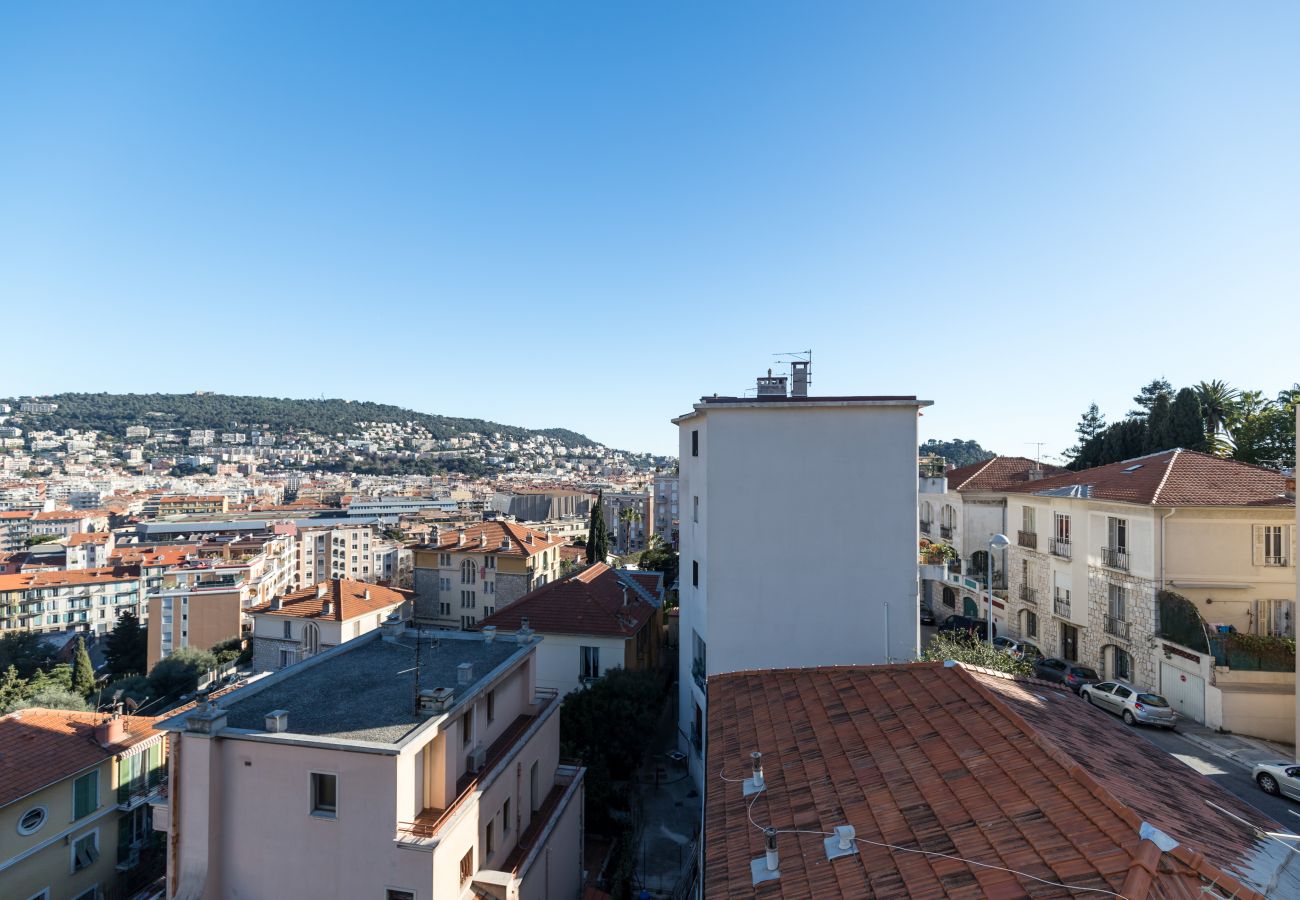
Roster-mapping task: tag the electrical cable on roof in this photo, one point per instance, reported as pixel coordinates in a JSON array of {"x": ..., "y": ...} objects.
[{"x": 970, "y": 862}]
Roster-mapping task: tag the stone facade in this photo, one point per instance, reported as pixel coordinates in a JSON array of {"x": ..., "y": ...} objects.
[
  {"x": 1097, "y": 645},
  {"x": 509, "y": 588},
  {"x": 266, "y": 653}
]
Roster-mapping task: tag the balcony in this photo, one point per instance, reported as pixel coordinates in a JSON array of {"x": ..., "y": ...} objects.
[
  {"x": 532, "y": 841},
  {"x": 136, "y": 793},
  {"x": 925, "y": 527},
  {"x": 945, "y": 532},
  {"x": 424, "y": 830},
  {"x": 1275, "y": 560},
  {"x": 1062, "y": 548},
  {"x": 1061, "y": 606},
  {"x": 1028, "y": 595},
  {"x": 1027, "y": 539},
  {"x": 1115, "y": 558},
  {"x": 1118, "y": 627}
]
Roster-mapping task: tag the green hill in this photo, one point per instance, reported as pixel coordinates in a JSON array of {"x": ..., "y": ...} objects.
[{"x": 112, "y": 413}]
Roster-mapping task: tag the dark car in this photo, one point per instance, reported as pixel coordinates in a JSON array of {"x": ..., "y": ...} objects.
[
  {"x": 965, "y": 623},
  {"x": 927, "y": 615},
  {"x": 1072, "y": 675}
]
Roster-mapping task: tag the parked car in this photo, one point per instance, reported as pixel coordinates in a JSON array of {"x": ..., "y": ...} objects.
[
  {"x": 1130, "y": 703},
  {"x": 1281, "y": 779},
  {"x": 1072, "y": 675},
  {"x": 927, "y": 615},
  {"x": 1019, "y": 649},
  {"x": 965, "y": 623}
]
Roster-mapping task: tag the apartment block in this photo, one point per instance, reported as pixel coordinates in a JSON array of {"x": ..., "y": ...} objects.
[
  {"x": 838, "y": 585},
  {"x": 185, "y": 505},
  {"x": 200, "y": 603},
  {"x": 629, "y": 516},
  {"x": 88, "y": 600},
  {"x": 356, "y": 552},
  {"x": 464, "y": 575},
  {"x": 666, "y": 512},
  {"x": 392, "y": 766}
]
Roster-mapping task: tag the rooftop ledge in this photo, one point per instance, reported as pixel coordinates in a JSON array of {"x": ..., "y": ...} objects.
[{"x": 789, "y": 402}]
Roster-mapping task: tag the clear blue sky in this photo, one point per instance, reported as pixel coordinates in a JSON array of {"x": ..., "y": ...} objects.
[{"x": 589, "y": 214}]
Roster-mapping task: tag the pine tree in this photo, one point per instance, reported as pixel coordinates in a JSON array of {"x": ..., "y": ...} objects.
[
  {"x": 1160, "y": 426},
  {"x": 1187, "y": 422},
  {"x": 1092, "y": 425},
  {"x": 126, "y": 650},
  {"x": 83, "y": 673},
  {"x": 1146, "y": 398}
]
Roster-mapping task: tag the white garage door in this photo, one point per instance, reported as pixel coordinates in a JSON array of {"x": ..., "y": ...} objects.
[{"x": 1184, "y": 691}]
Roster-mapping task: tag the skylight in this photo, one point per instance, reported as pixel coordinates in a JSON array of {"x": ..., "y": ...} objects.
[{"x": 1133, "y": 468}]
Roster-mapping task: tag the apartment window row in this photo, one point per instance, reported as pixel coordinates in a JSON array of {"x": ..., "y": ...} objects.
[{"x": 468, "y": 600}]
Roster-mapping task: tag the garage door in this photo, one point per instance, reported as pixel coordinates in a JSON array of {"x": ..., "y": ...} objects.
[{"x": 1184, "y": 691}]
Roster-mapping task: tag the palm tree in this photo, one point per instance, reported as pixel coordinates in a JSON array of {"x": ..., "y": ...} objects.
[
  {"x": 1218, "y": 405},
  {"x": 628, "y": 515}
]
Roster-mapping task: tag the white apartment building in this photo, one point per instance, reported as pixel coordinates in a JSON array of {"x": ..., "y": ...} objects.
[
  {"x": 364, "y": 782},
  {"x": 300, "y": 624},
  {"x": 355, "y": 552},
  {"x": 665, "y": 524},
  {"x": 629, "y": 516},
  {"x": 88, "y": 600},
  {"x": 836, "y": 584}
]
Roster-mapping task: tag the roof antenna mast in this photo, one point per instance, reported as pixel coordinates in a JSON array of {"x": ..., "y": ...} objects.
[{"x": 800, "y": 371}]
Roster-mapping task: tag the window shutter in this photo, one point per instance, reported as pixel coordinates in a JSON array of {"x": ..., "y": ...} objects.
[
  {"x": 1257, "y": 616},
  {"x": 1258, "y": 557},
  {"x": 1290, "y": 559}
]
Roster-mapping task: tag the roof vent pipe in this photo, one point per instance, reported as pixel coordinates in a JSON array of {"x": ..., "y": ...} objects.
[
  {"x": 755, "y": 783},
  {"x": 772, "y": 860}
]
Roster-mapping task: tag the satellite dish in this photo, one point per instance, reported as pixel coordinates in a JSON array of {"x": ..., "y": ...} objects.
[
  {"x": 117, "y": 695},
  {"x": 131, "y": 705}
]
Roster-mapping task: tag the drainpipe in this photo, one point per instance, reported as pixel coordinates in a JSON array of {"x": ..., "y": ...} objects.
[{"x": 1162, "y": 545}]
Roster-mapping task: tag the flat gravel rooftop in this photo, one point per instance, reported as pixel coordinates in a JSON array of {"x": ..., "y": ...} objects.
[{"x": 367, "y": 692}]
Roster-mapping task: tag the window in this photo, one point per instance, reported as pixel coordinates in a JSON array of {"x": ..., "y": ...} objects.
[
  {"x": 695, "y": 515},
  {"x": 311, "y": 639},
  {"x": 466, "y": 728},
  {"x": 695, "y": 573},
  {"x": 533, "y": 796},
  {"x": 85, "y": 795},
  {"x": 1118, "y": 601},
  {"x": 1027, "y": 520},
  {"x": 1061, "y": 525},
  {"x": 1275, "y": 617},
  {"x": 489, "y": 839},
  {"x": 1122, "y": 664},
  {"x": 1271, "y": 545},
  {"x": 468, "y": 572},
  {"x": 491, "y": 706},
  {"x": 1031, "y": 624},
  {"x": 324, "y": 795},
  {"x": 1117, "y": 533},
  {"x": 1069, "y": 642},
  {"x": 288, "y": 629},
  {"x": 1122, "y": 692},
  {"x": 444, "y": 609},
  {"x": 85, "y": 850},
  {"x": 32, "y": 820},
  {"x": 398, "y": 894},
  {"x": 505, "y": 817},
  {"x": 467, "y": 866},
  {"x": 695, "y": 443},
  {"x": 590, "y": 665},
  {"x": 287, "y": 658}
]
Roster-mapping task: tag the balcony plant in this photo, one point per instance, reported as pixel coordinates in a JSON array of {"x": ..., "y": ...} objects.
[{"x": 937, "y": 553}]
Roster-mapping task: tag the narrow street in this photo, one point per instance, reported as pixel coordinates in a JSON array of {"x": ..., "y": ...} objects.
[{"x": 1229, "y": 774}]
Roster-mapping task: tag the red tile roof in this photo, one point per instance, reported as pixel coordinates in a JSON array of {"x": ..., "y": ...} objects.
[
  {"x": 83, "y": 537},
  {"x": 588, "y": 603},
  {"x": 149, "y": 555},
  {"x": 350, "y": 598},
  {"x": 40, "y": 579},
  {"x": 492, "y": 535},
  {"x": 1173, "y": 478},
  {"x": 1000, "y": 473},
  {"x": 972, "y": 765},
  {"x": 39, "y": 747}
]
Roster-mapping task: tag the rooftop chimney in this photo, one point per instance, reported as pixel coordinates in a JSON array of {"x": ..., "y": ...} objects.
[
  {"x": 489, "y": 633},
  {"x": 276, "y": 602},
  {"x": 465, "y": 673},
  {"x": 801, "y": 370},
  {"x": 772, "y": 385},
  {"x": 434, "y": 702},
  {"x": 460, "y": 539},
  {"x": 277, "y": 721},
  {"x": 320, "y": 590},
  {"x": 365, "y": 595},
  {"x": 482, "y": 538},
  {"x": 327, "y": 608},
  {"x": 525, "y": 634},
  {"x": 110, "y": 731}
]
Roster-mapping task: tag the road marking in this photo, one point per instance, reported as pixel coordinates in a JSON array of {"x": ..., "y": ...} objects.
[{"x": 1204, "y": 766}]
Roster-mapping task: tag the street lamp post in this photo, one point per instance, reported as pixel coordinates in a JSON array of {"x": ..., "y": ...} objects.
[{"x": 997, "y": 542}]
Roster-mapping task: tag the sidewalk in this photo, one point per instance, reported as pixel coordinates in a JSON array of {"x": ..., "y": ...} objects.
[{"x": 1245, "y": 751}]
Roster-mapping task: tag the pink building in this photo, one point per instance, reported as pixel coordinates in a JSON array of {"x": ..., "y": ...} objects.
[{"x": 394, "y": 766}]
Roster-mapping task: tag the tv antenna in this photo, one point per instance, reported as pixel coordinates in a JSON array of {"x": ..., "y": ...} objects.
[{"x": 1038, "y": 450}]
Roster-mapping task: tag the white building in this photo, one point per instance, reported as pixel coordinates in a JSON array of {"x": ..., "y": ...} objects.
[
  {"x": 298, "y": 625},
  {"x": 836, "y": 584}
]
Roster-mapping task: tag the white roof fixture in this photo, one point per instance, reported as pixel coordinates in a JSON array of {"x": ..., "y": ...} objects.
[
  {"x": 843, "y": 843},
  {"x": 277, "y": 721},
  {"x": 767, "y": 866},
  {"x": 755, "y": 782},
  {"x": 465, "y": 673}
]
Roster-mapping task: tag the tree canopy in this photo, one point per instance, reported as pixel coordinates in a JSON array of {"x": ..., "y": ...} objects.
[{"x": 957, "y": 452}]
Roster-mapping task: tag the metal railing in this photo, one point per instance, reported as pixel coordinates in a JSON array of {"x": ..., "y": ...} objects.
[
  {"x": 1275, "y": 560},
  {"x": 1027, "y": 539},
  {"x": 925, "y": 527},
  {"x": 1118, "y": 627},
  {"x": 1062, "y": 548},
  {"x": 1028, "y": 595},
  {"x": 1115, "y": 558},
  {"x": 1061, "y": 606},
  {"x": 945, "y": 532}
]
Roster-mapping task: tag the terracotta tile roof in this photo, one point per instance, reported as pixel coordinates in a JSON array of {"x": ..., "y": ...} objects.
[
  {"x": 149, "y": 555},
  {"x": 350, "y": 598},
  {"x": 69, "y": 515},
  {"x": 82, "y": 537},
  {"x": 573, "y": 554},
  {"x": 17, "y": 514},
  {"x": 1172, "y": 478},
  {"x": 589, "y": 602},
  {"x": 40, "y": 579},
  {"x": 1000, "y": 473},
  {"x": 974, "y": 765},
  {"x": 39, "y": 747},
  {"x": 492, "y": 535}
]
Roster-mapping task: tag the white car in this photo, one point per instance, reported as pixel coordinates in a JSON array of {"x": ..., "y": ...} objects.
[
  {"x": 1130, "y": 703},
  {"x": 1278, "y": 778}
]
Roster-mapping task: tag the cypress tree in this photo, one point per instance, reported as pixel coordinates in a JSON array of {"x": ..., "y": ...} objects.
[
  {"x": 83, "y": 673},
  {"x": 126, "y": 650},
  {"x": 597, "y": 533},
  {"x": 1160, "y": 426},
  {"x": 1187, "y": 421}
]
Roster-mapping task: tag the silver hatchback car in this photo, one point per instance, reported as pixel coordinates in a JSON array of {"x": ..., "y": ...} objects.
[{"x": 1132, "y": 704}]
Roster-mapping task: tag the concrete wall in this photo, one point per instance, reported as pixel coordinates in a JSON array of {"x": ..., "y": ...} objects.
[
  {"x": 1258, "y": 704},
  {"x": 559, "y": 659}
]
